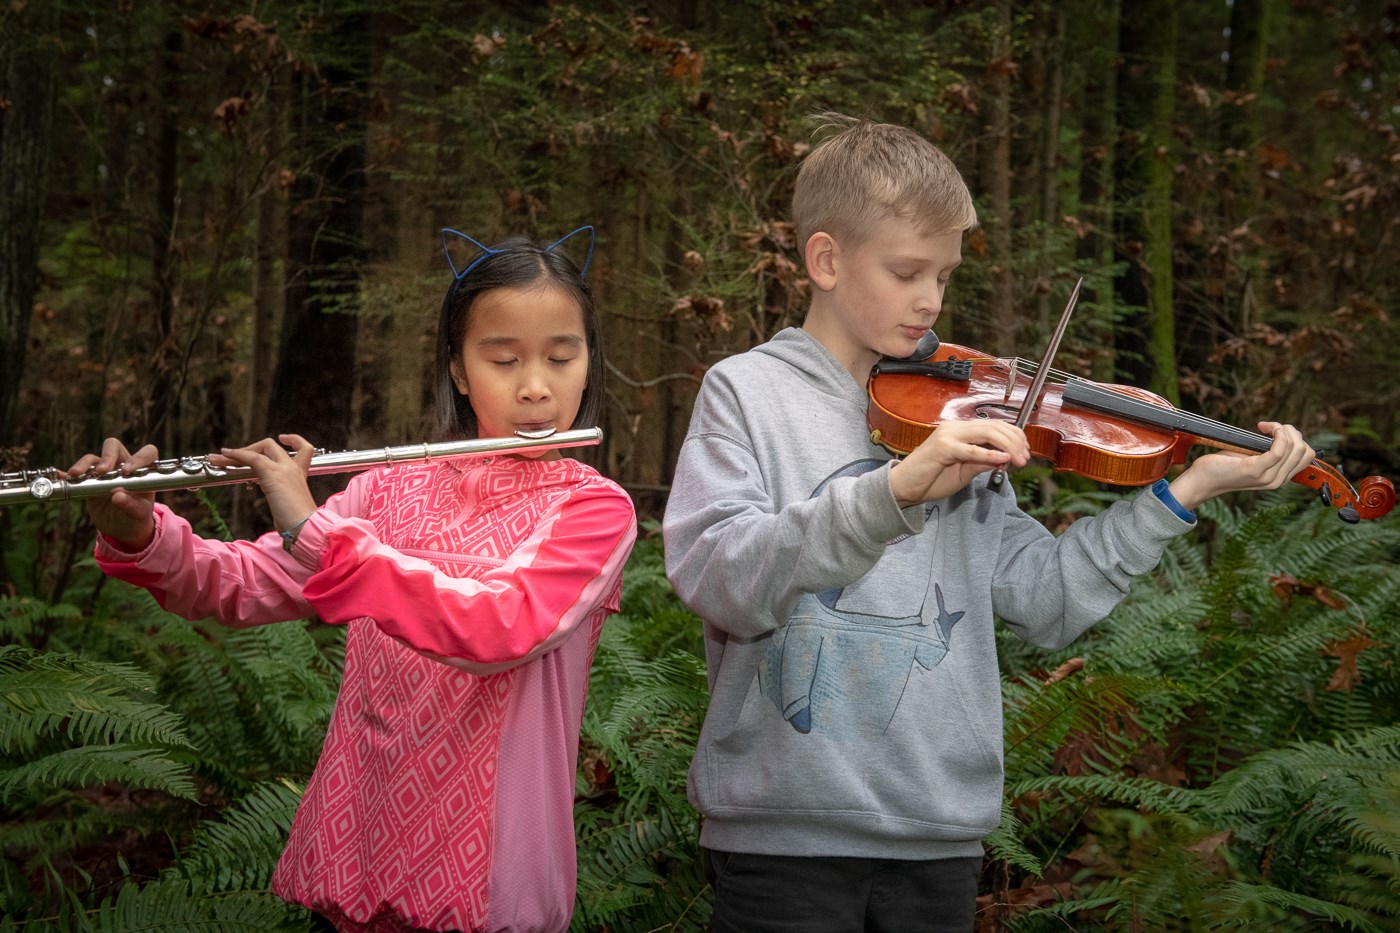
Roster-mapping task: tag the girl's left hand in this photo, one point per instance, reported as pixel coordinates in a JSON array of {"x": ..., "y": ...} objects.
[
  {"x": 1229, "y": 471},
  {"x": 281, "y": 475}
]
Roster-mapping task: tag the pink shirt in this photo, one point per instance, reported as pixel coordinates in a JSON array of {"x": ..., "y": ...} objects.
[{"x": 474, "y": 591}]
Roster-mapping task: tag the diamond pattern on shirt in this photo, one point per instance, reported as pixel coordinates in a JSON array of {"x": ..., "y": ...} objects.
[{"x": 396, "y": 823}]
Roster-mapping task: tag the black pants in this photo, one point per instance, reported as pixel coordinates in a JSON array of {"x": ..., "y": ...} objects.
[{"x": 778, "y": 894}]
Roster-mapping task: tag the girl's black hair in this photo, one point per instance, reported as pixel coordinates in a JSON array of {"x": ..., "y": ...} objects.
[{"x": 516, "y": 263}]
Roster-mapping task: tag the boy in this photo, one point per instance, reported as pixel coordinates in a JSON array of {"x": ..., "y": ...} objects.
[{"x": 850, "y": 761}]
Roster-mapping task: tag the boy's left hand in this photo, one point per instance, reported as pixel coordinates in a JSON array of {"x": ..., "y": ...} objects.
[{"x": 1230, "y": 471}]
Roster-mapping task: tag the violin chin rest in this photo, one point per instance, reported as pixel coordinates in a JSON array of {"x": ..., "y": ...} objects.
[{"x": 924, "y": 348}]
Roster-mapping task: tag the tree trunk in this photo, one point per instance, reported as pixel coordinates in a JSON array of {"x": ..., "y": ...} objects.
[
  {"x": 1050, "y": 155},
  {"x": 312, "y": 387},
  {"x": 1097, "y": 22},
  {"x": 1240, "y": 133},
  {"x": 1147, "y": 351},
  {"x": 27, "y": 59},
  {"x": 1003, "y": 297},
  {"x": 160, "y": 412}
]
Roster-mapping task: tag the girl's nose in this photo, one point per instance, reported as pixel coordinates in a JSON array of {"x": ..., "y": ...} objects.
[{"x": 534, "y": 385}]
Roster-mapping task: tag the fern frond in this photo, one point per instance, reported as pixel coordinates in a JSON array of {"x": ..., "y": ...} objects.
[
  {"x": 645, "y": 714},
  {"x": 197, "y": 682},
  {"x": 174, "y": 905},
  {"x": 41, "y": 692},
  {"x": 1004, "y": 843},
  {"x": 240, "y": 849},
  {"x": 621, "y": 865},
  {"x": 70, "y": 822},
  {"x": 1150, "y": 795},
  {"x": 1243, "y": 899},
  {"x": 1039, "y": 717},
  {"x": 295, "y": 686},
  {"x": 21, "y": 615},
  {"x": 1371, "y": 758},
  {"x": 130, "y": 765}
]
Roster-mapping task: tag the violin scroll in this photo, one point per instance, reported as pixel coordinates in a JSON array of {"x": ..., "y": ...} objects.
[{"x": 1374, "y": 499}]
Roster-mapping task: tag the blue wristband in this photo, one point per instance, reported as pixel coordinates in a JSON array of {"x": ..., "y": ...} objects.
[
  {"x": 289, "y": 537},
  {"x": 1161, "y": 490}
]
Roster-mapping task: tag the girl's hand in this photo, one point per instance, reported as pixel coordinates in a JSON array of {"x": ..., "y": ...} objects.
[
  {"x": 282, "y": 476},
  {"x": 952, "y": 455},
  {"x": 125, "y": 517},
  {"x": 1231, "y": 471}
]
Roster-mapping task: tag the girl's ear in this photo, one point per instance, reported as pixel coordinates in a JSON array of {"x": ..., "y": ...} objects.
[
  {"x": 820, "y": 254},
  {"x": 459, "y": 377}
]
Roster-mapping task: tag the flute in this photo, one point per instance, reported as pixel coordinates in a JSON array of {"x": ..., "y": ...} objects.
[{"x": 50, "y": 483}]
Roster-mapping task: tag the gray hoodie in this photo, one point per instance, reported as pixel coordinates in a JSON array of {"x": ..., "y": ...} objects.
[{"x": 855, "y": 701}]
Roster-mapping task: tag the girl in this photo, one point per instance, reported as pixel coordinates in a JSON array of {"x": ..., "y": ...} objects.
[{"x": 443, "y": 797}]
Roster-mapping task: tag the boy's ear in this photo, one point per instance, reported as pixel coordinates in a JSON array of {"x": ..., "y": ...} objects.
[{"x": 820, "y": 254}]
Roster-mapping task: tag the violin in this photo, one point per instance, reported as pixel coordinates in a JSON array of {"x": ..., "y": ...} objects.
[{"x": 1115, "y": 434}]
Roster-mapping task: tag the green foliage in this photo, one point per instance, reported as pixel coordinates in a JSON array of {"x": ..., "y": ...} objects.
[
  {"x": 1229, "y": 736},
  {"x": 1222, "y": 752},
  {"x": 131, "y": 757},
  {"x": 174, "y": 905},
  {"x": 121, "y": 738},
  {"x": 638, "y": 836}
]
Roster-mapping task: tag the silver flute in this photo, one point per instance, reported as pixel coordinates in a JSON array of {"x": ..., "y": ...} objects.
[{"x": 52, "y": 484}]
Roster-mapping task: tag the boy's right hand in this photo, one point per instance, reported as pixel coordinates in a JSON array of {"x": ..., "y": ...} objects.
[
  {"x": 125, "y": 517},
  {"x": 951, "y": 456}
]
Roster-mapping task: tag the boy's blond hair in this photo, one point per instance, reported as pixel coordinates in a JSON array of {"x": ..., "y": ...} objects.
[{"x": 864, "y": 173}]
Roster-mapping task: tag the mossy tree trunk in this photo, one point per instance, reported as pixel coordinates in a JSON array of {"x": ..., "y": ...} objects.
[{"x": 1146, "y": 101}]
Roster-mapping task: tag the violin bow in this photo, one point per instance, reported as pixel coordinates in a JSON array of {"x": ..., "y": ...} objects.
[{"x": 1038, "y": 383}]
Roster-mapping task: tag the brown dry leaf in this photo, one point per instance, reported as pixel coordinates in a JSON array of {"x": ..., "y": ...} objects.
[
  {"x": 1284, "y": 585},
  {"x": 1072, "y": 666},
  {"x": 1347, "y": 650},
  {"x": 1209, "y": 851}
]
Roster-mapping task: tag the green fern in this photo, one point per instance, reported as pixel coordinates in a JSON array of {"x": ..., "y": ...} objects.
[
  {"x": 124, "y": 739},
  {"x": 638, "y": 837},
  {"x": 239, "y": 850},
  {"x": 21, "y": 616},
  {"x": 174, "y": 905},
  {"x": 1271, "y": 768},
  {"x": 631, "y": 878},
  {"x": 90, "y": 701},
  {"x": 130, "y": 765}
]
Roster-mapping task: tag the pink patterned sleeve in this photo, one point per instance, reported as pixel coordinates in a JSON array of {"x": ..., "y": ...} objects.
[
  {"x": 238, "y": 583},
  {"x": 568, "y": 566}
]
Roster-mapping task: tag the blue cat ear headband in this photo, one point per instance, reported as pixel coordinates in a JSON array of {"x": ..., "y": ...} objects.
[{"x": 488, "y": 251}]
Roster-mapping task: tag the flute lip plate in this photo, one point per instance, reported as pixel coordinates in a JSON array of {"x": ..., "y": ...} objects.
[{"x": 537, "y": 435}]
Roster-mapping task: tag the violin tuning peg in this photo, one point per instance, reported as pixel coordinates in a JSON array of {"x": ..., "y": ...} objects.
[
  {"x": 1324, "y": 492},
  {"x": 1349, "y": 515}
]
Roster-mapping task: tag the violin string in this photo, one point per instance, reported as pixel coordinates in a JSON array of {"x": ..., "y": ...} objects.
[{"x": 1028, "y": 368}]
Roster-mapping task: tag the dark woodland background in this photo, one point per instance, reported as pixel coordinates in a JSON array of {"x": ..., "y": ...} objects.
[{"x": 220, "y": 220}]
